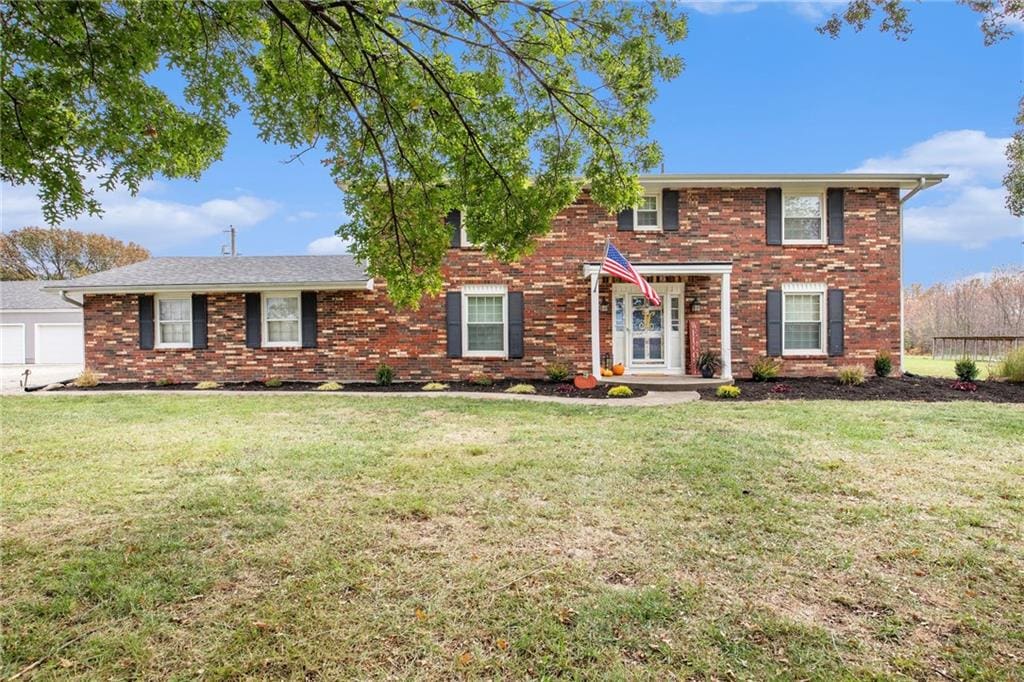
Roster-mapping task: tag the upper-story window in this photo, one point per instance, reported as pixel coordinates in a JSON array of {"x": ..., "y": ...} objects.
[
  {"x": 802, "y": 221},
  {"x": 174, "y": 321},
  {"x": 464, "y": 240},
  {"x": 647, "y": 214}
]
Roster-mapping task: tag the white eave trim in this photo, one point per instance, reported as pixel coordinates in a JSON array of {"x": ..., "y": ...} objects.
[
  {"x": 736, "y": 180},
  {"x": 668, "y": 268},
  {"x": 357, "y": 285},
  {"x": 38, "y": 311}
]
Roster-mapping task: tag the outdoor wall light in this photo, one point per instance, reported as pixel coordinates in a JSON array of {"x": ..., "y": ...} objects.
[{"x": 693, "y": 305}]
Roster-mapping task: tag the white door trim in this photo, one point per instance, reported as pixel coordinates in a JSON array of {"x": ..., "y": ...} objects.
[{"x": 622, "y": 340}]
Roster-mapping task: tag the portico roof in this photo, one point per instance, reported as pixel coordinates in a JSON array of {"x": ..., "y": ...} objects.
[{"x": 688, "y": 268}]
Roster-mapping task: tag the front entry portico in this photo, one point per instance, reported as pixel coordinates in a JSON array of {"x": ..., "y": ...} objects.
[{"x": 650, "y": 339}]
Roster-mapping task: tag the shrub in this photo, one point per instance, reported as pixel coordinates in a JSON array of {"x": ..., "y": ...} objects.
[
  {"x": 87, "y": 379},
  {"x": 620, "y": 392},
  {"x": 708, "y": 360},
  {"x": 558, "y": 371},
  {"x": 965, "y": 386},
  {"x": 883, "y": 363},
  {"x": 566, "y": 389},
  {"x": 435, "y": 386},
  {"x": 480, "y": 379},
  {"x": 164, "y": 382},
  {"x": 385, "y": 375},
  {"x": 273, "y": 382},
  {"x": 1011, "y": 367},
  {"x": 966, "y": 369},
  {"x": 521, "y": 388},
  {"x": 765, "y": 368},
  {"x": 206, "y": 385},
  {"x": 850, "y": 375},
  {"x": 329, "y": 386},
  {"x": 728, "y": 392},
  {"x": 780, "y": 389}
]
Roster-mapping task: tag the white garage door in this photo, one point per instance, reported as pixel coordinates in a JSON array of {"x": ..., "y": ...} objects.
[
  {"x": 12, "y": 344},
  {"x": 59, "y": 344}
]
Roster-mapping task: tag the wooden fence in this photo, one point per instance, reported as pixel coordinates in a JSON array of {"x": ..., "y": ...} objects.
[{"x": 977, "y": 347}]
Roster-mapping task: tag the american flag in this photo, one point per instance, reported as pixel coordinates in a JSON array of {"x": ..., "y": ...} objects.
[{"x": 615, "y": 264}]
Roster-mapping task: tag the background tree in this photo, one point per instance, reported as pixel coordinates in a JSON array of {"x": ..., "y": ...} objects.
[
  {"x": 51, "y": 253},
  {"x": 495, "y": 106},
  {"x": 995, "y": 15}
]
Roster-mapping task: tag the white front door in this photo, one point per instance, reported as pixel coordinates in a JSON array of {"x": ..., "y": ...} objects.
[{"x": 647, "y": 337}]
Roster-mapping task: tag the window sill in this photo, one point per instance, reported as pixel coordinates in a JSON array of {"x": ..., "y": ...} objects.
[
  {"x": 174, "y": 348},
  {"x": 805, "y": 245},
  {"x": 484, "y": 356},
  {"x": 296, "y": 346},
  {"x": 810, "y": 355}
]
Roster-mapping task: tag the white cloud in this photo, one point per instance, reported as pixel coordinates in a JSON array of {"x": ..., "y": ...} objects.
[
  {"x": 721, "y": 6},
  {"x": 301, "y": 215},
  {"x": 969, "y": 208},
  {"x": 816, "y": 12},
  {"x": 154, "y": 223},
  {"x": 327, "y": 246}
]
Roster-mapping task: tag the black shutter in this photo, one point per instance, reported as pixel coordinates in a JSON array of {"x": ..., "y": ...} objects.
[
  {"x": 252, "y": 321},
  {"x": 625, "y": 219},
  {"x": 454, "y": 222},
  {"x": 670, "y": 210},
  {"x": 199, "y": 319},
  {"x": 515, "y": 324},
  {"x": 773, "y": 215},
  {"x": 773, "y": 310},
  {"x": 308, "y": 305},
  {"x": 836, "y": 231},
  {"x": 146, "y": 331},
  {"x": 453, "y": 322},
  {"x": 836, "y": 319}
]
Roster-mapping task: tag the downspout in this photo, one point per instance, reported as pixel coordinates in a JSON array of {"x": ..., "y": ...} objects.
[
  {"x": 920, "y": 186},
  {"x": 64, "y": 296}
]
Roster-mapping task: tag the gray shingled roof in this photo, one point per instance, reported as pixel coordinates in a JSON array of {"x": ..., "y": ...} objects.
[
  {"x": 29, "y": 295},
  {"x": 226, "y": 271}
]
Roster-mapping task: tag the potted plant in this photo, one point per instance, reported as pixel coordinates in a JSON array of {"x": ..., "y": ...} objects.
[{"x": 708, "y": 363}]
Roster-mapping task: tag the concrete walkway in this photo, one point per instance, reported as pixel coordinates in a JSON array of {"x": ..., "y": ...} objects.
[{"x": 652, "y": 399}]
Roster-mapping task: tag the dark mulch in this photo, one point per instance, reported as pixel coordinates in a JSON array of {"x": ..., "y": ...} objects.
[
  {"x": 908, "y": 387},
  {"x": 562, "y": 390}
]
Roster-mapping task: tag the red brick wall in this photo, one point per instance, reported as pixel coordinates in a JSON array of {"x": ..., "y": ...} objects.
[{"x": 358, "y": 330}]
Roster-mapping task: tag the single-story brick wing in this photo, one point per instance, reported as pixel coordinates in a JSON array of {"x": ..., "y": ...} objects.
[{"x": 806, "y": 268}]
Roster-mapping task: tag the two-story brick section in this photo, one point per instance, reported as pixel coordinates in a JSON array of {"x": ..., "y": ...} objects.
[{"x": 803, "y": 267}]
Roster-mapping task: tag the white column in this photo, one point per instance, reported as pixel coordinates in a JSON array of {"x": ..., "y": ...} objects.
[
  {"x": 726, "y": 326},
  {"x": 595, "y": 327}
]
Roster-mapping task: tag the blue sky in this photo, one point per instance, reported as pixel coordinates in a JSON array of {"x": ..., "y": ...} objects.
[{"x": 761, "y": 92}]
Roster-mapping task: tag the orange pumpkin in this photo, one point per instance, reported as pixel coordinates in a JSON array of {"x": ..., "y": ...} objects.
[
  {"x": 585, "y": 383},
  {"x": 618, "y": 369}
]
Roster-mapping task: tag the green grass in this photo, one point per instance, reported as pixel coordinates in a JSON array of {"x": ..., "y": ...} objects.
[
  {"x": 930, "y": 367},
  {"x": 215, "y": 537}
]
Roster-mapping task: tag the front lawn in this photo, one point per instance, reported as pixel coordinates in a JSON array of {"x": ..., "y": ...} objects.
[
  {"x": 333, "y": 537},
  {"x": 927, "y": 366}
]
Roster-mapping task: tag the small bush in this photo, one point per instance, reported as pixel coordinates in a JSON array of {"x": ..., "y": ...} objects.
[
  {"x": 435, "y": 386},
  {"x": 780, "y": 389},
  {"x": 850, "y": 375},
  {"x": 521, "y": 388},
  {"x": 164, "y": 382},
  {"x": 206, "y": 385},
  {"x": 480, "y": 379},
  {"x": 565, "y": 389},
  {"x": 385, "y": 375},
  {"x": 273, "y": 382},
  {"x": 728, "y": 392},
  {"x": 620, "y": 392},
  {"x": 965, "y": 386},
  {"x": 1011, "y": 367},
  {"x": 558, "y": 371},
  {"x": 329, "y": 386},
  {"x": 966, "y": 369},
  {"x": 883, "y": 363},
  {"x": 765, "y": 368},
  {"x": 86, "y": 379}
]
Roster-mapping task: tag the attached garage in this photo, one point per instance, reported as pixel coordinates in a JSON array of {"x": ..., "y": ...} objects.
[
  {"x": 12, "y": 344},
  {"x": 59, "y": 343}
]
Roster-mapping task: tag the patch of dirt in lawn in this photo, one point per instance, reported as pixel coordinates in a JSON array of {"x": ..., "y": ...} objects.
[{"x": 908, "y": 387}]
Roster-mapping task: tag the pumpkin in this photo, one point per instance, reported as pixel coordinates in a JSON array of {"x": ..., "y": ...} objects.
[
  {"x": 618, "y": 369},
  {"x": 585, "y": 383},
  {"x": 605, "y": 372}
]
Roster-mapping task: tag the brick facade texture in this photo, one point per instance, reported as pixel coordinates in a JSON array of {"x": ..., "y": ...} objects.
[{"x": 357, "y": 330}]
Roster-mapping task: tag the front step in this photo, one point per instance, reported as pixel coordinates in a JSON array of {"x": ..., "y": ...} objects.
[{"x": 665, "y": 382}]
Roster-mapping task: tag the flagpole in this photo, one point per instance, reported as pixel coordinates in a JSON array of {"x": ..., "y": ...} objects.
[{"x": 604, "y": 256}]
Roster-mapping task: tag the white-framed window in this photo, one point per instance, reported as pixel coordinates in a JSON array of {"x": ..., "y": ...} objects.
[
  {"x": 174, "y": 321},
  {"x": 282, "y": 319},
  {"x": 647, "y": 214},
  {"x": 464, "y": 241},
  {"x": 803, "y": 319},
  {"x": 485, "y": 320},
  {"x": 803, "y": 217}
]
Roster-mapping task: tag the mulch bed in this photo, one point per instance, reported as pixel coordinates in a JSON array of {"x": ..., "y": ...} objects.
[
  {"x": 908, "y": 387},
  {"x": 557, "y": 389}
]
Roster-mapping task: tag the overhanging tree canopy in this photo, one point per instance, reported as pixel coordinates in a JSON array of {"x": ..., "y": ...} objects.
[{"x": 495, "y": 106}]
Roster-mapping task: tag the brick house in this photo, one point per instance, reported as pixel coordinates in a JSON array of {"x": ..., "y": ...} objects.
[{"x": 803, "y": 267}]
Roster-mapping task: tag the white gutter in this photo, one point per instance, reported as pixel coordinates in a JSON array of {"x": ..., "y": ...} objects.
[
  {"x": 668, "y": 268},
  {"x": 357, "y": 285},
  {"x": 64, "y": 295},
  {"x": 921, "y": 184}
]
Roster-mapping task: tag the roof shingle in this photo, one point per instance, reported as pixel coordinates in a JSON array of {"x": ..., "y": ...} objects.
[{"x": 30, "y": 295}]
